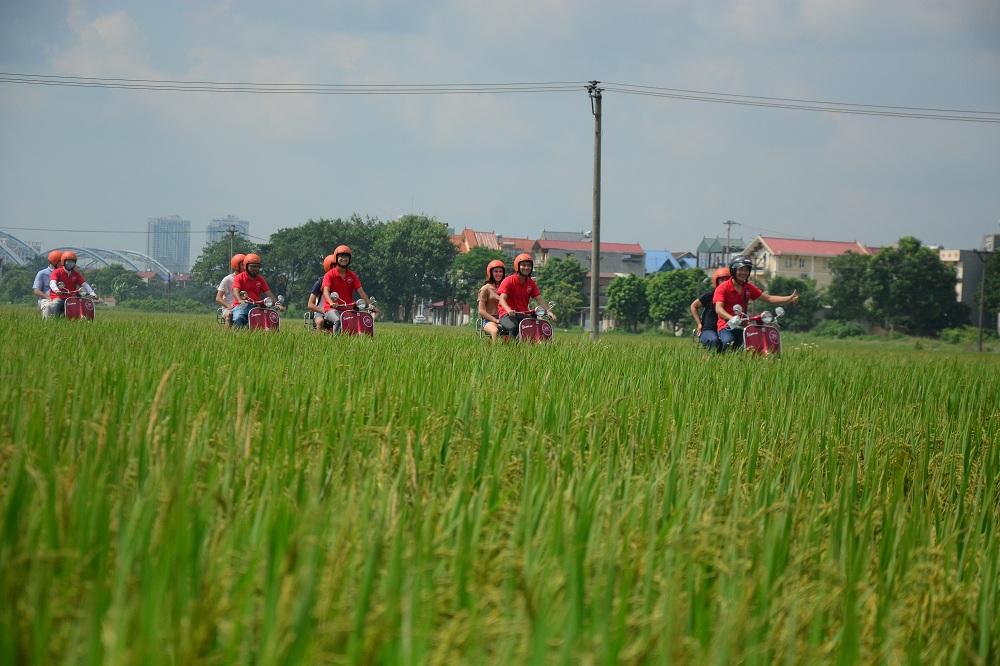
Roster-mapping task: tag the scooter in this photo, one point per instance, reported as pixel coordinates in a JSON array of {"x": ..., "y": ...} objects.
[
  {"x": 761, "y": 333},
  {"x": 263, "y": 316},
  {"x": 358, "y": 318},
  {"x": 76, "y": 306},
  {"x": 535, "y": 326}
]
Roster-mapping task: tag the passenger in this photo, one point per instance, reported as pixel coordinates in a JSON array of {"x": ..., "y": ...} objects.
[
  {"x": 66, "y": 281},
  {"x": 253, "y": 284},
  {"x": 489, "y": 300},
  {"x": 315, "y": 304},
  {"x": 40, "y": 287},
  {"x": 707, "y": 319},
  {"x": 224, "y": 294},
  {"x": 342, "y": 281}
]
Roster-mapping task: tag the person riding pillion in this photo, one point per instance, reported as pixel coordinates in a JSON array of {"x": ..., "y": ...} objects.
[
  {"x": 738, "y": 290},
  {"x": 515, "y": 294},
  {"x": 342, "y": 281},
  {"x": 224, "y": 294},
  {"x": 253, "y": 284},
  {"x": 489, "y": 299},
  {"x": 315, "y": 303},
  {"x": 67, "y": 281},
  {"x": 703, "y": 311},
  {"x": 40, "y": 287}
]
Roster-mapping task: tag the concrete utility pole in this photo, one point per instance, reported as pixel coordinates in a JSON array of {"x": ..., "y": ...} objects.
[
  {"x": 729, "y": 227},
  {"x": 595, "y": 256},
  {"x": 982, "y": 293},
  {"x": 232, "y": 234}
]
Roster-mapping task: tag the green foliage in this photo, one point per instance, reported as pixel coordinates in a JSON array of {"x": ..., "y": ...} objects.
[
  {"x": 800, "y": 316},
  {"x": 627, "y": 301},
  {"x": 566, "y": 301},
  {"x": 911, "y": 288},
  {"x": 15, "y": 284},
  {"x": 561, "y": 281},
  {"x": 151, "y": 304},
  {"x": 470, "y": 269},
  {"x": 117, "y": 281},
  {"x": 833, "y": 328},
  {"x": 415, "y": 253},
  {"x": 992, "y": 302},
  {"x": 848, "y": 292},
  {"x": 965, "y": 335},
  {"x": 670, "y": 293},
  {"x": 213, "y": 263}
]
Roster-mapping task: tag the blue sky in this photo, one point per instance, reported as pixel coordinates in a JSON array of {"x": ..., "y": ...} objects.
[{"x": 674, "y": 171}]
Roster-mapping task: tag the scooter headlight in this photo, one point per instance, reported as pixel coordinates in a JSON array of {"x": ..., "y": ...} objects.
[
  {"x": 539, "y": 311},
  {"x": 268, "y": 303},
  {"x": 362, "y": 305},
  {"x": 767, "y": 317}
]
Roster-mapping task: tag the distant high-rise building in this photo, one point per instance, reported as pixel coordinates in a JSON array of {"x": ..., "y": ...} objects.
[
  {"x": 219, "y": 228},
  {"x": 169, "y": 242}
]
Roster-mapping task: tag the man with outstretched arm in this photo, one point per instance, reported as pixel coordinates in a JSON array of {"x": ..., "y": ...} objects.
[{"x": 738, "y": 290}]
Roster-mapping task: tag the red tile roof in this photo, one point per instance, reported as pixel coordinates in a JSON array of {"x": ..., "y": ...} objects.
[
  {"x": 525, "y": 244},
  {"x": 817, "y": 248},
  {"x": 622, "y": 248},
  {"x": 486, "y": 239}
]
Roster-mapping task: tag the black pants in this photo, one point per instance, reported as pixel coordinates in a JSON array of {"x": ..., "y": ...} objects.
[{"x": 510, "y": 322}]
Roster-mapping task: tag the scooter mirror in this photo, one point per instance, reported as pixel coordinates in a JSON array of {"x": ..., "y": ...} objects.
[
  {"x": 243, "y": 295},
  {"x": 779, "y": 311},
  {"x": 738, "y": 309},
  {"x": 281, "y": 298},
  {"x": 334, "y": 295}
]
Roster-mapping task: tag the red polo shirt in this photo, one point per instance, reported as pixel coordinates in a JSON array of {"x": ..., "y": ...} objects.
[
  {"x": 72, "y": 280},
  {"x": 729, "y": 294},
  {"x": 345, "y": 285},
  {"x": 255, "y": 287},
  {"x": 518, "y": 293}
]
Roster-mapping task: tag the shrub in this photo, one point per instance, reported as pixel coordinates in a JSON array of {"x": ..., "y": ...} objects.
[{"x": 839, "y": 329}]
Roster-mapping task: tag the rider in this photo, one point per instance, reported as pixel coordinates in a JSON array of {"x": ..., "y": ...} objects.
[
  {"x": 516, "y": 292},
  {"x": 64, "y": 282},
  {"x": 738, "y": 290},
  {"x": 707, "y": 319},
  {"x": 224, "y": 294},
  {"x": 488, "y": 298},
  {"x": 344, "y": 282},
  {"x": 315, "y": 304},
  {"x": 41, "y": 285},
  {"x": 255, "y": 286}
]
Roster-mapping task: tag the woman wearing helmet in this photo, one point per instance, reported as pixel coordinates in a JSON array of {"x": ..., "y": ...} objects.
[
  {"x": 343, "y": 282},
  {"x": 253, "y": 284},
  {"x": 738, "y": 290},
  {"x": 489, "y": 300},
  {"x": 516, "y": 292},
  {"x": 315, "y": 303},
  {"x": 40, "y": 287},
  {"x": 706, "y": 320},
  {"x": 66, "y": 281},
  {"x": 224, "y": 294}
]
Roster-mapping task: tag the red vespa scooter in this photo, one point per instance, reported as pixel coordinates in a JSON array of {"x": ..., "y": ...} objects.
[
  {"x": 535, "y": 327},
  {"x": 263, "y": 315},
  {"x": 357, "y": 319},
  {"x": 76, "y": 306},
  {"x": 761, "y": 333}
]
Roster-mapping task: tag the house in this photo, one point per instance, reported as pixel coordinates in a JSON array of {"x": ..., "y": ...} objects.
[
  {"x": 658, "y": 261},
  {"x": 790, "y": 257},
  {"x": 513, "y": 246},
  {"x": 715, "y": 252},
  {"x": 469, "y": 239},
  {"x": 969, "y": 266}
]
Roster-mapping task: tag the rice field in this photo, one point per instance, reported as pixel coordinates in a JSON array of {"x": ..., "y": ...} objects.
[{"x": 175, "y": 494}]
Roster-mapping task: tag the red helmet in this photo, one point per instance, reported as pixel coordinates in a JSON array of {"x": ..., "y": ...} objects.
[
  {"x": 69, "y": 255},
  {"x": 329, "y": 262},
  {"x": 342, "y": 249},
  {"x": 524, "y": 256},
  {"x": 496, "y": 263},
  {"x": 55, "y": 256},
  {"x": 252, "y": 258},
  {"x": 237, "y": 261},
  {"x": 719, "y": 275}
]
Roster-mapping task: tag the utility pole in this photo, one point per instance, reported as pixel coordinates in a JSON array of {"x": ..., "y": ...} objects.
[
  {"x": 982, "y": 293},
  {"x": 232, "y": 234},
  {"x": 729, "y": 227},
  {"x": 595, "y": 253}
]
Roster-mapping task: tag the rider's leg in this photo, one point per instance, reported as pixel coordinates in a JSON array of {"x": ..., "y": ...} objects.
[
  {"x": 509, "y": 324},
  {"x": 710, "y": 340},
  {"x": 492, "y": 330},
  {"x": 57, "y": 307},
  {"x": 241, "y": 315},
  {"x": 730, "y": 339},
  {"x": 43, "y": 307},
  {"x": 227, "y": 317}
]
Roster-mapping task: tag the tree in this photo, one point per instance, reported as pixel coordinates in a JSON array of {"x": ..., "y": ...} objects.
[
  {"x": 118, "y": 281},
  {"x": 566, "y": 301},
  {"x": 802, "y": 315},
  {"x": 561, "y": 281},
  {"x": 670, "y": 293},
  {"x": 627, "y": 301},
  {"x": 848, "y": 291},
  {"x": 15, "y": 285},
  {"x": 912, "y": 288},
  {"x": 992, "y": 303},
  {"x": 213, "y": 263},
  {"x": 415, "y": 253},
  {"x": 471, "y": 267}
]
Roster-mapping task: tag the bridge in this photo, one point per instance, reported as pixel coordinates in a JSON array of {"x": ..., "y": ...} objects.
[{"x": 19, "y": 253}]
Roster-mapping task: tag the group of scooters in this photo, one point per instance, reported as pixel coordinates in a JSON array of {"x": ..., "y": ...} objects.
[{"x": 354, "y": 317}]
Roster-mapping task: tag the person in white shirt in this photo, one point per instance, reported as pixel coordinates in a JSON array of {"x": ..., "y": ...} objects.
[
  {"x": 224, "y": 295},
  {"x": 41, "y": 285}
]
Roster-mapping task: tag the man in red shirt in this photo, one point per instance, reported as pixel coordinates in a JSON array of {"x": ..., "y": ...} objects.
[
  {"x": 251, "y": 283},
  {"x": 343, "y": 282},
  {"x": 64, "y": 282},
  {"x": 516, "y": 292},
  {"x": 738, "y": 290}
]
